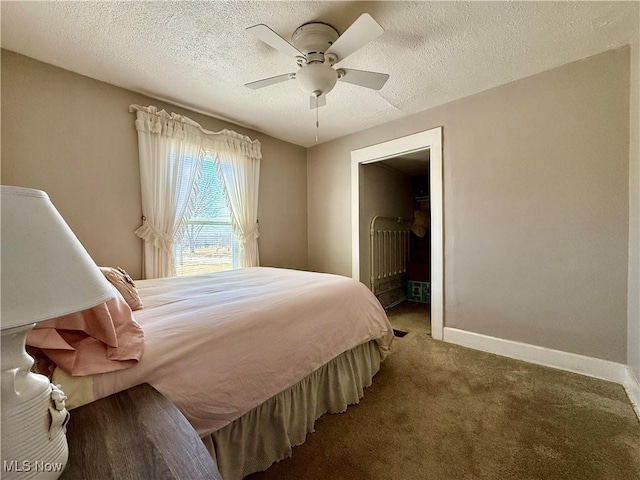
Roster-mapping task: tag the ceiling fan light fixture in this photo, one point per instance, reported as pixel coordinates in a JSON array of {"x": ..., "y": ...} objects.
[
  {"x": 316, "y": 48},
  {"x": 316, "y": 77}
]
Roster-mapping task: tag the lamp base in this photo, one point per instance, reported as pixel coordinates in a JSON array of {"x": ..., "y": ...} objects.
[{"x": 34, "y": 444}]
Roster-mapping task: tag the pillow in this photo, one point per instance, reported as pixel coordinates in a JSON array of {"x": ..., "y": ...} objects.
[
  {"x": 124, "y": 284},
  {"x": 101, "y": 339}
]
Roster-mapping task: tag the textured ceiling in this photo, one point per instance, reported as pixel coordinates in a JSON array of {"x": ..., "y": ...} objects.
[{"x": 197, "y": 54}]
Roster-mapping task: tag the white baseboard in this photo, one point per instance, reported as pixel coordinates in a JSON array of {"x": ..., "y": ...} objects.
[
  {"x": 632, "y": 386},
  {"x": 572, "y": 362}
]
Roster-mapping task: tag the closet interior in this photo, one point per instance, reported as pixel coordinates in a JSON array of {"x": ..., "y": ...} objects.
[{"x": 395, "y": 234}]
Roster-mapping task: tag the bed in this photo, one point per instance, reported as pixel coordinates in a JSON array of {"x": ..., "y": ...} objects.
[{"x": 252, "y": 357}]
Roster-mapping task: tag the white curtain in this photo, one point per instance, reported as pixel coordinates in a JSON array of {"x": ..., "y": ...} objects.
[
  {"x": 171, "y": 149},
  {"x": 169, "y": 170},
  {"x": 240, "y": 175}
]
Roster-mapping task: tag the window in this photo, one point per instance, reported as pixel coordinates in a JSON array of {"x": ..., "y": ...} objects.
[
  {"x": 171, "y": 168},
  {"x": 206, "y": 242}
]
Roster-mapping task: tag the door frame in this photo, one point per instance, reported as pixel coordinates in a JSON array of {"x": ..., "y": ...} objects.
[{"x": 428, "y": 139}]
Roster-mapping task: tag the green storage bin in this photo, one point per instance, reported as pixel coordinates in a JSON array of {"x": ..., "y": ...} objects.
[{"x": 419, "y": 291}]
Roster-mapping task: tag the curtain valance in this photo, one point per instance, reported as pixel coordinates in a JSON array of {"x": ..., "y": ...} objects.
[{"x": 150, "y": 119}]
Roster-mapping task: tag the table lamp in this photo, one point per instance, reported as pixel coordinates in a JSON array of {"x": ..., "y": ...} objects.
[{"x": 45, "y": 273}]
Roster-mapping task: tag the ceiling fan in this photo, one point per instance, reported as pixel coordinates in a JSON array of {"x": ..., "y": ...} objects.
[{"x": 317, "y": 47}]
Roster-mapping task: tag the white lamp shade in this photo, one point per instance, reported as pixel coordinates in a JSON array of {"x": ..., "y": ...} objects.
[{"x": 45, "y": 270}]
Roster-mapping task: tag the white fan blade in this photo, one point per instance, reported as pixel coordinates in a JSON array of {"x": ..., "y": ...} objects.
[
  {"x": 372, "y": 80},
  {"x": 265, "y": 82},
  {"x": 322, "y": 101},
  {"x": 268, "y": 36},
  {"x": 361, "y": 32}
]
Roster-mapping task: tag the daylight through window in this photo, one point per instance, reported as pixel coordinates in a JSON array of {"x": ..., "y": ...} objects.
[{"x": 206, "y": 242}]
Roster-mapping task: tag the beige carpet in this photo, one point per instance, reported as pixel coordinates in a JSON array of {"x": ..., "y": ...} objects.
[{"x": 440, "y": 411}]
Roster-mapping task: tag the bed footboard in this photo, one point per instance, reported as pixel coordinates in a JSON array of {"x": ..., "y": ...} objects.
[{"x": 389, "y": 255}]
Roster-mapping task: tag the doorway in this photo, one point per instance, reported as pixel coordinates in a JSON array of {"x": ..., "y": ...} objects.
[{"x": 430, "y": 140}]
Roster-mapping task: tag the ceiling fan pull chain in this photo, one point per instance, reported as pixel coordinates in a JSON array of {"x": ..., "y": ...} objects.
[{"x": 317, "y": 121}]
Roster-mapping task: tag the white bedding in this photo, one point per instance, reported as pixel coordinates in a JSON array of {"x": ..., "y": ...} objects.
[{"x": 218, "y": 345}]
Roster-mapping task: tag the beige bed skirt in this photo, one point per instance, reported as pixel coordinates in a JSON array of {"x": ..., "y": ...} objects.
[{"x": 267, "y": 433}]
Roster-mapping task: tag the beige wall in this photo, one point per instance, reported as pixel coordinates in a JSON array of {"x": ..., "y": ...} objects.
[
  {"x": 75, "y": 138},
  {"x": 536, "y": 206},
  {"x": 633, "y": 308},
  {"x": 385, "y": 192}
]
